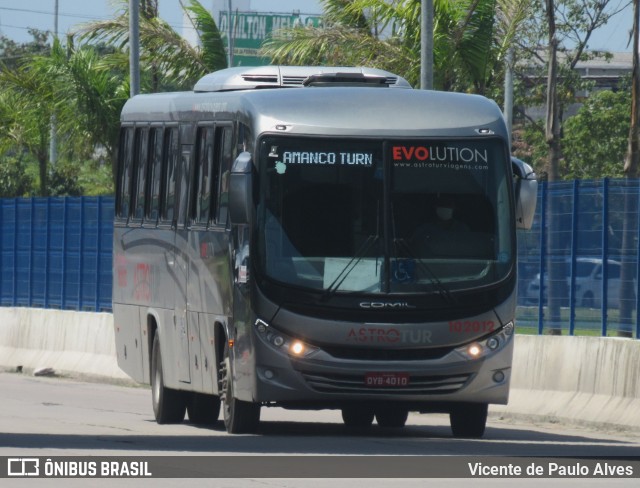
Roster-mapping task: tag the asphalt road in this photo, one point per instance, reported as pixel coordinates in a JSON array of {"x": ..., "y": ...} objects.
[{"x": 64, "y": 417}]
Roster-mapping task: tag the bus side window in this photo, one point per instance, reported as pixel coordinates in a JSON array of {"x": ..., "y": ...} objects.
[
  {"x": 224, "y": 159},
  {"x": 170, "y": 162},
  {"x": 203, "y": 185},
  {"x": 155, "y": 174},
  {"x": 140, "y": 165},
  {"x": 125, "y": 172}
]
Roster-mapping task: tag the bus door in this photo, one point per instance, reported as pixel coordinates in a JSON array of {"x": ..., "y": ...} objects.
[{"x": 184, "y": 328}]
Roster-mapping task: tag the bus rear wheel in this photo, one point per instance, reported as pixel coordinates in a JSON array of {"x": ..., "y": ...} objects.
[
  {"x": 203, "y": 409},
  {"x": 168, "y": 405},
  {"x": 240, "y": 417},
  {"x": 469, "y": 420}
]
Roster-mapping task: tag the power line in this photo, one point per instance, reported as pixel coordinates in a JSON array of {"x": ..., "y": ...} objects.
[
  {"x": 70, "y": 15},
  {"x": 48, "y": 12}
]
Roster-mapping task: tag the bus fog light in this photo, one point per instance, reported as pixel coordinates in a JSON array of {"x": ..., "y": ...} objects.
[
  {"x": 498, "y": 376},
  {"x": 493, "y": 343},
  {"x": 261, "y": 325},
  {"x": 474, "y": 350},
  {"x": 269, "y": 374},
  {"x": 278, "y": 341},
  {"x": 509, "y": 328}
]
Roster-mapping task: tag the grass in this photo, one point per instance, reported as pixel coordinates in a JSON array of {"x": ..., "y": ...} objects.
[{"x": 588, "y": 321}]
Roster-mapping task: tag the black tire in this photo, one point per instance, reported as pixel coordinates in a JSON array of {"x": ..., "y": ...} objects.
[
  {"x": 240, "y": 417},
  {"x": 169, "y": 405},
  {"x": 357, "y": 416},
  {"x": 469, "y": 420},
  {"x": 588, "y": 300},
  {"x": 391, "y": 416},
  {"x": 203, "y": 409}
]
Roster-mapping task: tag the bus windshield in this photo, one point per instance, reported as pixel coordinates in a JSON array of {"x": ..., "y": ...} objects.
[{"x": 393, "y": 216}]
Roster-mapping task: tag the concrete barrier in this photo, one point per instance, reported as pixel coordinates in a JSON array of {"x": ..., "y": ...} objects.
[
  {"x": 78, "y": 343},
  {"x": 576, "y": 380},
  {"x": 588, "y": 380}
]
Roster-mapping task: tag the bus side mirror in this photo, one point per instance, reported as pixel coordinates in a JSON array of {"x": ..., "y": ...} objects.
[
  {"x": 241, "y": 190},
  {"x": 526, "y": 193}
]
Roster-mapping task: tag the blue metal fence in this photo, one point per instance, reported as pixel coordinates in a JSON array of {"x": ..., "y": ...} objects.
[
  {"x": 590, "y": 217},
  {"x": 56, "y": 252}
]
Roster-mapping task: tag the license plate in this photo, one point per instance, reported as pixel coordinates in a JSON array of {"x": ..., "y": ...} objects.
[{"x": 386, "y": 380}]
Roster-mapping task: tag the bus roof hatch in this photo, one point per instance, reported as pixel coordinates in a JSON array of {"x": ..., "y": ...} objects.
[{"x": 250, "y": 78}]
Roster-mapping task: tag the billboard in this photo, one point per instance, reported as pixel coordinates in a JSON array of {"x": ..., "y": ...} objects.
[{"x": 250, "y": 29}]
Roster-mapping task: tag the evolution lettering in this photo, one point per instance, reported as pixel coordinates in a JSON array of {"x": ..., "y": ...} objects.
[{"x": 439, "y": 153}]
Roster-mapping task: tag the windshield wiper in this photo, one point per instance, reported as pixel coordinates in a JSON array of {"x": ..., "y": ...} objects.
[
  {"x": 351, "y": 265},
  {"x": 442, "y": 290}
]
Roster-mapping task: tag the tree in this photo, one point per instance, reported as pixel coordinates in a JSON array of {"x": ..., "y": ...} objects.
[
  {"x": 468, "y": 50},
  {"x": 19, "y": 140},
  {"x": 86, "y": 93},
  {"x": 167, "y": 60},
  {"x": 596, "y": 138},
  {"x": 26, "y": 113},
  {"x": 574, "y": 22}
]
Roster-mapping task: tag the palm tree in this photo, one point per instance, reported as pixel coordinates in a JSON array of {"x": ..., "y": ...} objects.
[
  {"x": 386, "y": 35},
  {"x": 83, "y": 88},
  {"x": 164, "y": 53}
]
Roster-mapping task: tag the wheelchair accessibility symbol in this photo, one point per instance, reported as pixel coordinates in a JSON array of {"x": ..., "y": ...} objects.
[{"x": 403, "y": 271}]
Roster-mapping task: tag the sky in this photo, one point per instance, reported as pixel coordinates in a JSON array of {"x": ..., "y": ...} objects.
[{"x": 17, "y": 16}]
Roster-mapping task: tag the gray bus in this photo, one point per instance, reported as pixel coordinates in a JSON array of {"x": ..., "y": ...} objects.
[{"x": 317, "y": 238}]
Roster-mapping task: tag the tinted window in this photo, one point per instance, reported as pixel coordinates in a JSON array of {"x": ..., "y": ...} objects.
[
  {"x": 584, "y": 269},
  {"x": 614, "y": 271},
  {"x": 225, "y": 144},
  {"x": 203, "y": 184},
  {"x": 140, "y": 165},
  {"x": 155, "y": 172},
  {"x": 171, "y": 158},
  {"x": 348, "y": 215},
  {"x": 125, "y": 172}
]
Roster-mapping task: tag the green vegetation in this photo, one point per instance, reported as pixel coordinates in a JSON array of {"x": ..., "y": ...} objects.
[{"x": 82, "y": 82}]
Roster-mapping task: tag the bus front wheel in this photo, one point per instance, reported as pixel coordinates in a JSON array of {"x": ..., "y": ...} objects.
[
  {"x": 357, "y": 416},
  {"x": 240, "y": 417},
  {"x": 469, "y": 420},
  {"x": 391, "y": 416},
  {"x": 169, "y": 405}
]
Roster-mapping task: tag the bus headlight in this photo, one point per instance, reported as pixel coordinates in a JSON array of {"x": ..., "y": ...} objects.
[
  {"x": 297, "y": 348},
  {"x": 495, "y": 342},
  {"x": 474, "y": 350},
  {"x": 282, "y": 342}
]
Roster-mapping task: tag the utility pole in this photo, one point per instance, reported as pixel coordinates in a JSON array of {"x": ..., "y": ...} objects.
[
  {"x": 230, "y": 37},
  {"x": 426, "y": 45},
  {"x": 630, "y": 223},
  {"x": 53, "y": 129},
  {"x": 508, "y": 93},
  {"x": 134, "y": 47}
]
